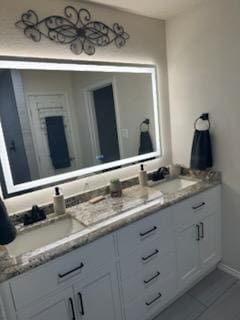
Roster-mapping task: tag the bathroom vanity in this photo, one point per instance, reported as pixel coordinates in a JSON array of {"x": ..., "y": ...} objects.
[
  {"x": 129, "y": 266},
  {"x": 120, "y": 259}
]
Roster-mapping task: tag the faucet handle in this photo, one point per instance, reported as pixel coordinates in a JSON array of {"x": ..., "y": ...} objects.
[{"x": 35, "y": 212}]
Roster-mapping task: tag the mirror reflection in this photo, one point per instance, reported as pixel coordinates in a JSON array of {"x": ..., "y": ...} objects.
[{"x": 60, "y": 121}]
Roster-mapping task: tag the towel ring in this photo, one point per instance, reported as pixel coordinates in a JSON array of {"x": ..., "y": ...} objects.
[
  {"x": 203, "y": 117},
  {"x": 146, "y": 122}
]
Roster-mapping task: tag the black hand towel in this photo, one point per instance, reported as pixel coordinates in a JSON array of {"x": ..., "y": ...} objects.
[
  {"x": 146, "y": 145},
  {"x": 57, "y": 142},
  {"x": 201, "y": 158}
]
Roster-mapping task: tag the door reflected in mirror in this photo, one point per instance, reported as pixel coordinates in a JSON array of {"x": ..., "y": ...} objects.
[{"x": 60, "y": 122}]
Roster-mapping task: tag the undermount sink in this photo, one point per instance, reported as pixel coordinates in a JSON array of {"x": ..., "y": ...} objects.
[
  {"x": 43, "y": 235},
  {"x": 175, "y": 185}
]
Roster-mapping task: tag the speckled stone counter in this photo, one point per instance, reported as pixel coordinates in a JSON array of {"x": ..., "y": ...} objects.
[{"x": 101, "y": 219}]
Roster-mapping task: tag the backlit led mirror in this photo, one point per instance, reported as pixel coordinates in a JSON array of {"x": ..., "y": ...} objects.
[{"x": 60, "y": 121}]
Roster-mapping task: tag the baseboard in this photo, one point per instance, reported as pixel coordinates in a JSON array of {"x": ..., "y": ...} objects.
[{"x": 229, "y": 270}]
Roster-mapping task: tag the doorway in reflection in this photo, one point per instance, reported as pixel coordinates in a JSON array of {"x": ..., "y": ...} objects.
[{"x": 104, "y": 107}]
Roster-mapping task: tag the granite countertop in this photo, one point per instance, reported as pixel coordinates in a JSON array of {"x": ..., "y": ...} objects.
[{"x": 101, "y": 219}]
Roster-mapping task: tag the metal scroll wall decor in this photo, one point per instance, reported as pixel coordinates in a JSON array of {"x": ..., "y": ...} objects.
[{"x": 75, "y": 29}]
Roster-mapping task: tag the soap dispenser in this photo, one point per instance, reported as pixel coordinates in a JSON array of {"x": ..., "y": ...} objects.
[
  {"x": 59, "y": 202},
  {"x": 143, "y": 177}
]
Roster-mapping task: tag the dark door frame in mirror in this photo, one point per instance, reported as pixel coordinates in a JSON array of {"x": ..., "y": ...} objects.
[{"x": 65, "y": 65}]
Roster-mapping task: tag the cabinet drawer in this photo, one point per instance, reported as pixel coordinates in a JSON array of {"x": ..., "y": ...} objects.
[
  {"x": 47, "y": 278},
  {"x": 153, "y": 275},
  {"x": 191, "y": 210},
  {"x": 149, "y": 305},
  {"x": 143, "y": 231},
  {"x": 147, "y": 255}
]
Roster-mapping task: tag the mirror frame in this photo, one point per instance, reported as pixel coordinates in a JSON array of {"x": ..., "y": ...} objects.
[{"x": 65, "y": 65}]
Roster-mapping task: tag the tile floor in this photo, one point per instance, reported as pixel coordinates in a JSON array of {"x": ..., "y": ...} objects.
[{"x": 216, "y": 297}]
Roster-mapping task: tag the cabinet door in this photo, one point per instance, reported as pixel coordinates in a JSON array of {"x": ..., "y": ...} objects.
[
  {"x": 209, "y": 243},
  {"x": 187, "y": 255},
  {"x": 98, "y": 298},
  {"x": 59, "y": 306}
]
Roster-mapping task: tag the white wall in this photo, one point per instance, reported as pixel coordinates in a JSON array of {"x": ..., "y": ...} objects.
[
  {"x": 204, "y": 76},
  {"x": 145, "y": 46}
]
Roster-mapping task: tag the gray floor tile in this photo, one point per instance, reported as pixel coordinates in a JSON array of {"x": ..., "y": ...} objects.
[
  {"x": 225, "y": 308},
  {"x": 212, "y": 287},
  {"x": 185, "y": 308}
]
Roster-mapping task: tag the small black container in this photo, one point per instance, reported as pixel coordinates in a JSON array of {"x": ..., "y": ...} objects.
[{"x": 8, "y": 231}]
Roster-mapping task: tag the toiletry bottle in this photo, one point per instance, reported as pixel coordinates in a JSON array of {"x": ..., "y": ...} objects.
[
  {"x": 143, "y": 178},
  {"x": 59, "y": 202}
]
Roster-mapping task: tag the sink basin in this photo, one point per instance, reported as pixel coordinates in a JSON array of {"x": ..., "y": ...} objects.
[
  {"x": 44, "y": 235},
  {"x": 175, "y": 185}
]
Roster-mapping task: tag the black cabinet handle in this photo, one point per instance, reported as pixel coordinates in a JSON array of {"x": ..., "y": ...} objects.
[
  {"x": 155, "y": 299},
  {"x": 202, "y": 230},
  {"x": 151, "y": 279},
  {"x": 198, "y": 206},
  {"x": 198, "y": 232},
  {"x": 72, "y": 309},
  {"x": 143, "y": 234},
  {"x": 62, "y": 275},
  {"x": 150, "y": 256},
  {"x": 81, "y": 303}
]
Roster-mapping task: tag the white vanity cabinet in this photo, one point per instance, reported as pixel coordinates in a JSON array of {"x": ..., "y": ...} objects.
[
  {"x": 83, "y": 283},
  {"x": 147, "y": 265},
  {"x": 95, "y": 297},
  {"x": 166, "y": 253},
  {"x": 187, "y": 255},
  {"x": 59, "y": 306},
  {"x": 198, "y": 235},
  {"x": 131, "y": 274}
]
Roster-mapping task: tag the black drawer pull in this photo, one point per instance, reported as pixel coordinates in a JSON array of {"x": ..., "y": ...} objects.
[
  {"x": 81, "y": 304},
  {"x": 143, "y": 234},
  {"x": 72, "y": 309},
  {"x": 151, "y": 279},
  {"x": 150, "y": 256},
  {"x": 202, "y": 230},
  {"x": 198, "y": 232},
  {"x": 62, "y": 275},
  {"x": 199, "y": 206},
  {"x": 155, "y": 299}
]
